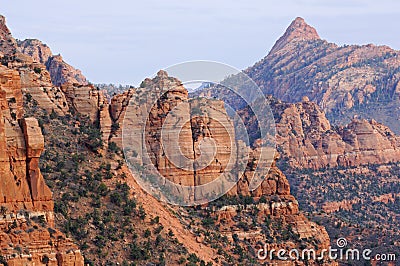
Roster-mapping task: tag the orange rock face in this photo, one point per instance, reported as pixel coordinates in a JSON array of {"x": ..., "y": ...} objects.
[
  {"x": 196, "y": 132},
  {"x": 307, "y": 139},
  {"x": 278, "y": 205},
  {"x": 23, "y": 192},
  {"x": 62, "y": 73},
  {"x": 38, "y": 51},
  {"x": 21, "y": 145},
  {"x": 36, "y": 82},
  {"x": 88, "y": 101},
  {"x": 22, "y": 242},
  {"x": 8, "y": 44}
]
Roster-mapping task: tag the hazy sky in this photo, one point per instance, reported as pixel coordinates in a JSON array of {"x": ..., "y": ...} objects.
[{"x": 124, "y": 41}]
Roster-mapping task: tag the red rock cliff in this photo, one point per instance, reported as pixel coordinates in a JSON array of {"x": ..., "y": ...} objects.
[{"x": 23, "y": 192}]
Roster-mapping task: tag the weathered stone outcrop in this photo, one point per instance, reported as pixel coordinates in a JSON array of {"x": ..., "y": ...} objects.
[
  {"x": 28, "y": 59},
  {"x": 298, "y": 30},
  {"x": 8, "y": 45},
  {"x": 118, "y": 107},
  {"x": 62, "y": 73},
  {"x": 274, "y": 189},
  {"x": 276, "y": 203},
  {"x": 105, "y": 121},
  {"x": 85, "y": 100},
  {"x": 24, "y": 242},
  {"x": 53, "y": 85},
  {"x": 23, "y": 186},
  {"x": 198, "y": 129},
  {"x": 214, "y": 144},
  {"x": 306, "y": 139},
  {"x": 36, "y": 85},
  {"x": 198, "y": 132},
  {"x": 38, "y": 51},
  {"x": 23, "y": 192}
]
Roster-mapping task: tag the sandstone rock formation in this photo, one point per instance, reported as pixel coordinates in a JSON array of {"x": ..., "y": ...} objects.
[
  {"x": 23, "y": 192},
  {"x": 53, "y": 84},
  {"x": 298, "y": 30},
  {"x": 35, "y": 79},
  {"x": 274, "y": 189},
  {"x": 59, "y": 70},
  {"x": 85, "y": 100},
  {"x": 306, "y": 138},
  {"x": 38, "y": 55},
  {"x": 23, "y": 186},
  {"x": 36, "y": 84},
  {"x": 163, "y": 104},
  {"x": 56, "y": 86},
  {"x": 8, "y": 45},
  {"x": 39, "y": 51},
  {"x": 195, "y": 132},
  {"x": 276, "y": 203},
  {"x": 118, "y": 107},
  {"x": 62, "y": 72},
  {"x": 23, "y": 242}
]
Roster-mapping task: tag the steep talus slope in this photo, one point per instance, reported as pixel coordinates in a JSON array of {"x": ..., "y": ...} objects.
[{"x": 343, "y": 80}]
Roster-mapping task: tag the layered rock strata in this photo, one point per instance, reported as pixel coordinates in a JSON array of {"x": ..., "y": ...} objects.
[
  {"x": 23, "y": 192},
  {"x": 307, "y": 139}
]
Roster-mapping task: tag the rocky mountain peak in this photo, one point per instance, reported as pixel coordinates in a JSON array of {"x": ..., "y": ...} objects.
[
  {"x": 162, "y": 74},
  {"x": 39, "y": 51},
  {"x": 297, "y": 30},
  {"x": 4, "y": 31},
  {"x": 2, "y": 19},
  {"x": 7, "y": 42}
]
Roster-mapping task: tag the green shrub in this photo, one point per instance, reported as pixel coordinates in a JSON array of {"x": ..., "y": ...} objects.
[{"x": 37, "y": 70}]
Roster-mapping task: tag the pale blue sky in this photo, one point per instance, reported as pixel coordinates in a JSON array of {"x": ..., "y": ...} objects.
[{"x": 125, "y": 41}]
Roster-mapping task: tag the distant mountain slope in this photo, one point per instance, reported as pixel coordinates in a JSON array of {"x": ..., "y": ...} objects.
[
  {"x": 306, "y": 138},
  {"x": 59, "y": 70},
  {"x": 343, "y": 80},
  {"x": 14, "y": 52}
]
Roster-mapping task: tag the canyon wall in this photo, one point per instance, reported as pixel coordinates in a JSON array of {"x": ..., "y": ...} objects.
[
  {"x": 306, "y": 139},
  {"x": 24, "y": 196}
]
